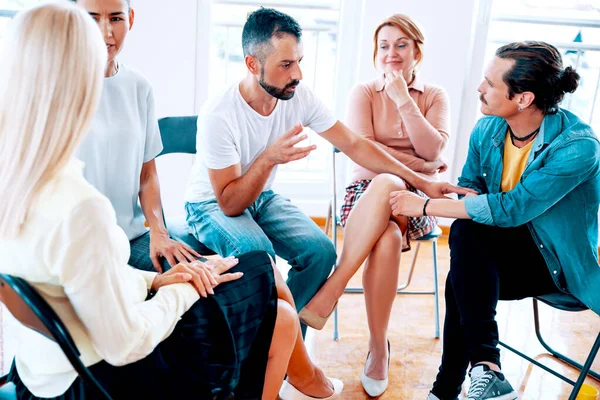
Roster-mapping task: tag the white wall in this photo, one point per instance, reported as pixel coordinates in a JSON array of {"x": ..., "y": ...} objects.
[
  {"x": 448, "y": 32},
  {"x": 169, "y": 44},
  {"x": 163, "y": 46},
  {"x": 450, "y": 44}
]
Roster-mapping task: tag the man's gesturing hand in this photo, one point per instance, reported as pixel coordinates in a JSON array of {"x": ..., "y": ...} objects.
[{"x": 283, "y": 150}]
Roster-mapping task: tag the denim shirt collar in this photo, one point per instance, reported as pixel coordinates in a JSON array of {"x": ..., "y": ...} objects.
[{"x": 548, "y": 131}]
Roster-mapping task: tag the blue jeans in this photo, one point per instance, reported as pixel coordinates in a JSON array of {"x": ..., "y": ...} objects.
[{"x": 272, "y": 224}]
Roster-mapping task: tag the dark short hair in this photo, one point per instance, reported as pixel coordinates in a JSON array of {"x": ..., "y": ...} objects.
[
  {"x": 538, "y": 68},
  {"x": 264, "y": 24}
]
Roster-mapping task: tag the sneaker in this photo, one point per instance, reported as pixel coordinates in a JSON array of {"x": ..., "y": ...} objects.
[
  {"x": 489, "y": 385},
  {"x": 434, "y": 397}
]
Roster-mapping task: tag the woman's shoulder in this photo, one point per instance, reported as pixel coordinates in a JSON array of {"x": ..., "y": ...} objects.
[
  {"x": 130, "y": 75},
  {"x": 370, "y": 87},
  {"x": 366, "y": 90},
  {"x": 433, "y": 90},
  {"x": 67, "y": 192}
]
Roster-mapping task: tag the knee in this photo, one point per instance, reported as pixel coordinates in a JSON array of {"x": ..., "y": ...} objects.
[
  {"x": 463, "y": 231},
  {"x": 391, "y": 239},
  {"x": 387, "y": 183},
  {"x": 287, "y": 319},
  {"x": 249, "y": 244}
]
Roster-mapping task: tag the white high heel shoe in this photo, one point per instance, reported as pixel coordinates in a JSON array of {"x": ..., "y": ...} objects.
[
  {"x": 289, "y": 392},
  {"x": 375, "y": 387}
]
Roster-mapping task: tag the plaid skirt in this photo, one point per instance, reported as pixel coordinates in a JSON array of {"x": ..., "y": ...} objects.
[{"x": 417, "y": 226}]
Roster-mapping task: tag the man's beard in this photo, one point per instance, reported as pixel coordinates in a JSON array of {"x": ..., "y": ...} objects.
[{"x": 276, "y": 92}]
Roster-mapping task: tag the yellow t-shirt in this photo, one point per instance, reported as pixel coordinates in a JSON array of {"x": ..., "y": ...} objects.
[{"x": 515, "y": 160}]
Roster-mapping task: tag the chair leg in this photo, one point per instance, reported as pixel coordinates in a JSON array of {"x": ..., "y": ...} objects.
[
  {"x": 336, "y": 332},
  {"x": 436, "y": 307},
  {"x": 586, "y": 368},
  {"x": 328, "y": 219},
  {"x": 411, "y": 270},
  {"x": 555, "y": 353}
]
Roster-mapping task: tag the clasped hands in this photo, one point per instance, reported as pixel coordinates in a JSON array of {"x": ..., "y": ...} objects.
[{"x": 204, "y": 276}]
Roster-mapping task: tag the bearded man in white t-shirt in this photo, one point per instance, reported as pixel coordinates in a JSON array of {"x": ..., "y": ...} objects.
[{"x": 250, "y": 129}]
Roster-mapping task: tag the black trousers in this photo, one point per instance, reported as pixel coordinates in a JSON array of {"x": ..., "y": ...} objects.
[
  {"x": 219, "y": 347},
  {"x": 487, "y": 264}
]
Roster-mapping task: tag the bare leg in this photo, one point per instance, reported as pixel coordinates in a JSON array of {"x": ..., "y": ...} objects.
[
  {"x": 282, "y": 345},
  {"x": 380, "y": 282},
  {"x": 367, "y": 222},
  {"x": 288, "y": 353}
]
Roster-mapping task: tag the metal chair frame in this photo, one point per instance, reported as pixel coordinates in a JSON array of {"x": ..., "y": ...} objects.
[
  {"x": 55, "y": 329},
  {"x": 584, "y": 369},
  {"x": 332, "y": 222}
]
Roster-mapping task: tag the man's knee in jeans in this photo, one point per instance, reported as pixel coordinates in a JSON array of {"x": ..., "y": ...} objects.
[{"x": 252, "y": 243}]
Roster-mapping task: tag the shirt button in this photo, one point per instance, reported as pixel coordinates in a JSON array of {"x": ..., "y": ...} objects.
[
  {"x": 484, "y": 174},
  {"x": 541, "y": 246},
  {"x": 555, "y": 272}
]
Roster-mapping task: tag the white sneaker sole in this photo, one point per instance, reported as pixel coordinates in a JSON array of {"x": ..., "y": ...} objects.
[{"x": 508, "y": 396}]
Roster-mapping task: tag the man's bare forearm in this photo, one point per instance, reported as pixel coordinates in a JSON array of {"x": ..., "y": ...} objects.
[{"x": 240, "y": 193}]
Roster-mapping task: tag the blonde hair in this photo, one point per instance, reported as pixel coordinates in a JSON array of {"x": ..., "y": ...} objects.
[
  {"x": 406, "y": 25},
  {"x": 50, "y": 81}
]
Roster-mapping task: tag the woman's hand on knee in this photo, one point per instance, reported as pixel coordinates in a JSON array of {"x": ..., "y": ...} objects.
[
  {"x": 204, "y": 276},
  {"x": 218, "y": 268}
]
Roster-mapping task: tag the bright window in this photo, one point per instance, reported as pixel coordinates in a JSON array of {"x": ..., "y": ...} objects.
[
  {"x": 319, "y": 20},
  {"x": 572, "y": 26},
  {"x": 8, "y": 8}
]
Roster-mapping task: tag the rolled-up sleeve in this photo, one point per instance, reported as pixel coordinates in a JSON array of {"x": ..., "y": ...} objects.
[{"x": 479, "y": 209}]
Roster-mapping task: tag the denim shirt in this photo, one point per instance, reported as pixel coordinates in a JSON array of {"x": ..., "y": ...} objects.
[{"x": 557, "y": 196}]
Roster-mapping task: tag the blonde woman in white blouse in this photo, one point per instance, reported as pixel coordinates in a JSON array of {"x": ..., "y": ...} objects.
[{"x": 177, "y": 335}]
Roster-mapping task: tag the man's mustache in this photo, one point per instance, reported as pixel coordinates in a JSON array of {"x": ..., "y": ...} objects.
[{"x": 291, "y": 84}]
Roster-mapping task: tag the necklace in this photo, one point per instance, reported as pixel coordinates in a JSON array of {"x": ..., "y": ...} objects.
[{"x": 524, "y": 138}]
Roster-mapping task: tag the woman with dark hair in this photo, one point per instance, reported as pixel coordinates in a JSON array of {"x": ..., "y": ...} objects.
[{"x": 533, "y": 228}]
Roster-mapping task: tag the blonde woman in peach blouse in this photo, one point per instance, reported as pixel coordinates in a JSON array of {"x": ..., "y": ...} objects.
[{"x": 410, "y": 120}]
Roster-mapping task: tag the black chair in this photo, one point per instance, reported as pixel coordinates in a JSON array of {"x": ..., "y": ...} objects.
[
  {"x": 30, "y": 309},
  {"x": 178, "y": 135},
  {"x": 564, "y": 302}
]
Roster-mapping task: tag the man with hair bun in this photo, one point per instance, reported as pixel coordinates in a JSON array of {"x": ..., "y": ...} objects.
[{"x": 533, "y": 228}]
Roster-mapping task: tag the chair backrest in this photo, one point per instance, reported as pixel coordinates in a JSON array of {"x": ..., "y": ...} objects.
[
  {"x": 178, "y": 134},
  {"x": 30, "y": 309}
]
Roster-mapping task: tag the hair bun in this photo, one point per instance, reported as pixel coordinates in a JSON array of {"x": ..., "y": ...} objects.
[{"x": 569, "y": 80}]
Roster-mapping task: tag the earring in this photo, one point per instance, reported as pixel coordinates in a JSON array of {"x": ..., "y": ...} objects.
[{"x": 520, "y": 109}]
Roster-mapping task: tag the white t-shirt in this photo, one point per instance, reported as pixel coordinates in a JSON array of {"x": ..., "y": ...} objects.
[
  {"x": 232, "y": 132},
  {"x": 122, "y": 136}
]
